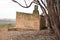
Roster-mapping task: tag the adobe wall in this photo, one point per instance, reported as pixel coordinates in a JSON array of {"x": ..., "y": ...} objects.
[{"x": 27, "y": 21}]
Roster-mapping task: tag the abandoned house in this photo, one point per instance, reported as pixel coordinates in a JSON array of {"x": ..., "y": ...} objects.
[{"x": 30, "y": 21}]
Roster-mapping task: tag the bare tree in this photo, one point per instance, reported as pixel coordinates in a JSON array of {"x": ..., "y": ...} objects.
[{"x": 53, "y": 14}]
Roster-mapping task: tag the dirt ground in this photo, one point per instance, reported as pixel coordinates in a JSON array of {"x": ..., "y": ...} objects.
[{"x": 27, "y": 35}]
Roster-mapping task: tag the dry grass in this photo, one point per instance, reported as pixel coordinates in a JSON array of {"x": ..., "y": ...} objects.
[{"x": 26, "y": 35}]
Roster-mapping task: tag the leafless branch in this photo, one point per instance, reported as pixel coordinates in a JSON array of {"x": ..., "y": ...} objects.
[
  {"x": 25, "y": 2},
  {"x": 21, "y": 5},
  {"x": 44, "y": 4},
  {"x": 44, "y": 10}
]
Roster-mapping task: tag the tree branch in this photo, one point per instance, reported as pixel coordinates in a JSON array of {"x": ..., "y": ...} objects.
[
  {"x": 44, "y": 4},
  {"x": 23, "y": 6},
  {"x": 25, "y": 2}
]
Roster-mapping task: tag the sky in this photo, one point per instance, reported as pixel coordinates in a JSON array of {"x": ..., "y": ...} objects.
[{"x": 8, "y": 9}]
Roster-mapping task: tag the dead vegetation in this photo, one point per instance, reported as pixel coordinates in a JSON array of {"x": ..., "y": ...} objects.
[{"x": 25, "y": 34}]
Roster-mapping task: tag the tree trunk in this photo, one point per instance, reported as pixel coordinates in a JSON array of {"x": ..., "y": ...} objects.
[{"x": 53, "y": 17}]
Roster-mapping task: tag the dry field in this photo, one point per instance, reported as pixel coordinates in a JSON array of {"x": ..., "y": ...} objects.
[{"x": 27, "y": 35}]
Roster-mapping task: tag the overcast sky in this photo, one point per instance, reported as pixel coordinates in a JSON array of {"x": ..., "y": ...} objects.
[{"x": 8, "y": 9}]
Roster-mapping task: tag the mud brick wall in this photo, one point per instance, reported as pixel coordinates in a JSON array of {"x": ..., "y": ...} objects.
[{"x": 28, "y": 20}]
